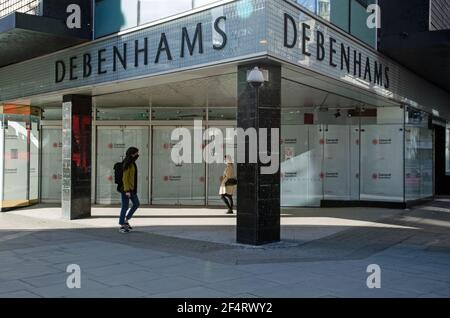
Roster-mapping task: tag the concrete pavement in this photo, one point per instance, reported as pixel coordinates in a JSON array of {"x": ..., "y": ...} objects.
[{"x": 192, "y": 253}]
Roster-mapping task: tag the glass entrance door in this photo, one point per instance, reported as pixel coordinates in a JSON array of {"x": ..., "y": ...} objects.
[
  {"x": 216, "y": 170},
  {"x": 112, "y": 144},
  {"x": 382, "y": 151},
  {"x": 301, "y": 167},
  {"x": 175, "y": 183},
  {"x": 15, "y": 162},
  {"x": 341, "y": 162},
  {"x": 51, "y": 164}
]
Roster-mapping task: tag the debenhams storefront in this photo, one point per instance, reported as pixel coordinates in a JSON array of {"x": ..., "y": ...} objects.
[{"x": 355, "y": 125}]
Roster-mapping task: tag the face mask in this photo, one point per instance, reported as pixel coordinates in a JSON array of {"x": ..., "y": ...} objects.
[{"x": 136, "y": 158}]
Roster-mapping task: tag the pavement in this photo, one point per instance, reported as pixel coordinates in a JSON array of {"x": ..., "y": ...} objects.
[{"x": 192, "y": 253}]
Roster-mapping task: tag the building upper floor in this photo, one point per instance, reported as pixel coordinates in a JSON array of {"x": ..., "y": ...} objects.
[
  {"x": 112, "y": 16},
  {"x": 439, "y": 15},
  {"x": 101, "y": 18},
  {"x": 216, "y": 33},
  {"x": 33, "y": 7},
  {"x": 32, "y": 28},
  {"x": 349, "y": 15},
  {"x": 416, "y": 33},
  {"x": 220, "y": 32}
]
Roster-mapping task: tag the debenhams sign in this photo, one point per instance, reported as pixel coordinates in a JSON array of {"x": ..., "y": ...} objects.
[
  {"x": 339, "y": 55},
  {"x": 87, "y": 64},
  {"x": 342, "y": 56}
]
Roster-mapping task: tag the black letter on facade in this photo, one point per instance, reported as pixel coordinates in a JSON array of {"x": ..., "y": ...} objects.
[
  {"x": 287, "y": 19},
  {"x": 305, "y": 38},
  {"x": 122, "y": 57},
  {"x": 87, "y": 67},
  {"x": 368, "y": 71},
  {"x": 101, "y": 60},
  {"x": 73, "y": 67},
  {"x": 378, "y": 73},
  {"x": 163, "y": 46},
  {"x": 221, "y": 32},
  {"x": 332, "y": 51},
  {"x": 357, "y": 63},
  {"x": 58, "y": 64},
  {"x": 191, "y": 46},
  {"x": 386, "y": 76},
  {"x": 137, "y": 51},
  {"x": 320, "y": 47},
  {"x": 345, "y": 57}
]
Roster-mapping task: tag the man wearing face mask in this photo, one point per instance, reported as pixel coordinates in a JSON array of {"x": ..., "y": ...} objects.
[{"x": 129, "y": 191}]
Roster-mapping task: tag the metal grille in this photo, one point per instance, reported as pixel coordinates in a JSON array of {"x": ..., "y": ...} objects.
[{"x": 25, "y": 6}]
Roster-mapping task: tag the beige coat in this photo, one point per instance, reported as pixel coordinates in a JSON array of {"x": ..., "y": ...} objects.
[{"x": 227, "y": 174}]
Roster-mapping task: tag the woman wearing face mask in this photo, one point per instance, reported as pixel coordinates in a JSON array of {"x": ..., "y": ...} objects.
[
  {"x": 129, "y": 191},
  {"x": 227, "y": 184}
]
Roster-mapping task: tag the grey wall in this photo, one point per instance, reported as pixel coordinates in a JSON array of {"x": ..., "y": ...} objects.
[
  {"x": 439, "y": 15},
  {"x": 399, "y": 16}
]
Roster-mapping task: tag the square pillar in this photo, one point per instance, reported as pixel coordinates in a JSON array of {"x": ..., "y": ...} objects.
[
  {"x": 258, "y": 208},
  {"x": 77, "y": 138}
]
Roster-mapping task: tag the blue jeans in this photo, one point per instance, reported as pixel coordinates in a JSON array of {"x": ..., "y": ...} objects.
[{"x": 126, "y": 204}]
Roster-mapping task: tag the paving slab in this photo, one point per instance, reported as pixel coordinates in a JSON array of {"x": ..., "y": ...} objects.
[{"x": 192, "y": 253}]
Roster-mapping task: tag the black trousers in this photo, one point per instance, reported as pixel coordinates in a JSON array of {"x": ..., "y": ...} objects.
[{"x": 228, "y": 199}]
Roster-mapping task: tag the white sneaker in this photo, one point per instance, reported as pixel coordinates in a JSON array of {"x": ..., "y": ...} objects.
[{"x": 124, "y": 229}]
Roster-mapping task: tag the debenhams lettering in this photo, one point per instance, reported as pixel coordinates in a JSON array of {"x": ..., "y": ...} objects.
[
  {"x": 339, "y": 54},
  {"x": 84, "y": 66}
]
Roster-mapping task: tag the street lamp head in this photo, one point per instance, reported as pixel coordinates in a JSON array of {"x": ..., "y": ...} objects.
[{"x": 255, "y": 77}]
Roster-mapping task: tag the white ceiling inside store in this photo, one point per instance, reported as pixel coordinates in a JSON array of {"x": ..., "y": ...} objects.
[
  {"x": 218, "y": 86},
  {"x": 219, "y": 91},
  {"x": 303, "y": 88}
]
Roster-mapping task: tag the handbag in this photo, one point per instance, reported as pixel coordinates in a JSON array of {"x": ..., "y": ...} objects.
[{"x": 231, "y": 182}]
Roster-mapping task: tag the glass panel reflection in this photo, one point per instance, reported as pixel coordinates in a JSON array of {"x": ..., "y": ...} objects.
[
  {"x": 175, "y": 183},
  {"x": 418, "y": 156},
  {"x": 112, "y": 143},
  {"x": 51, "y": 164},
  {"x": 15, "y": 191},
  {"x": 34, "y": 160}
]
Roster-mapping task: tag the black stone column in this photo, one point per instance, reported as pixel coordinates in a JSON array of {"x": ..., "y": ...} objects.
[
  {"x": 258, "y": 209},
  {"x": 77, "y": 138}
]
